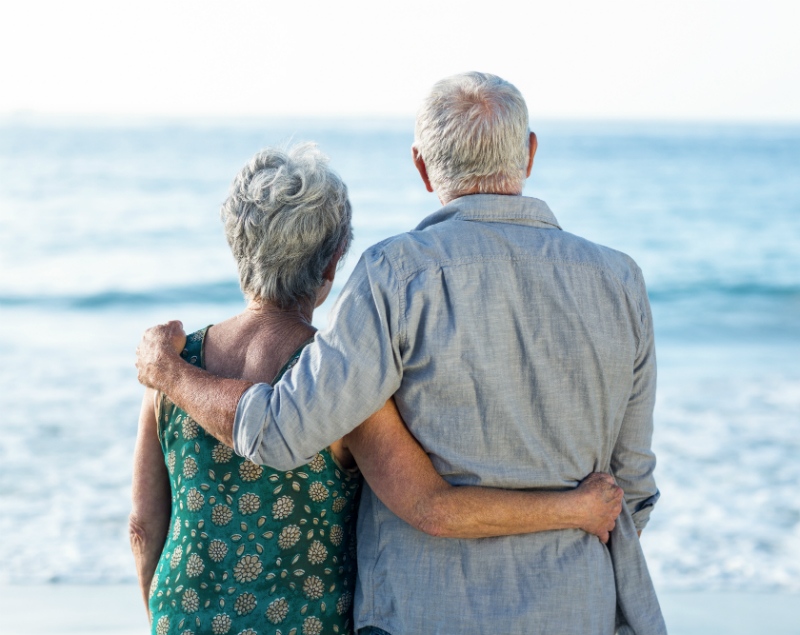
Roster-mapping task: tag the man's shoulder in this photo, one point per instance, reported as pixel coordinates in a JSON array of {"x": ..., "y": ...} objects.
[
  {"x": 584, "y": 250},
  {"x": 406, "y": 252}
]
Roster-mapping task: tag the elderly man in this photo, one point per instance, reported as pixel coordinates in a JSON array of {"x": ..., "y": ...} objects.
[{"x": 520, "y": 356}]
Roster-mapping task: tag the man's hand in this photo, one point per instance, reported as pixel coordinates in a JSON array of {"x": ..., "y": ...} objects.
[
  {"x": 160, "y": 346},
  {"x": 599, "y": 503}
]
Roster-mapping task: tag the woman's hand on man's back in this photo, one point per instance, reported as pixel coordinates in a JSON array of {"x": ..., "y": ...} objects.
[{"x": 599, "y": 501}]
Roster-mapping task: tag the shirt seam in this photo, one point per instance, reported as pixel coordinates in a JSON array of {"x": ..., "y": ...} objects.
[
  {"x": 441, "y": 264},
  {"x": 505, "y": 217},
  {"x": 643, "y": 318},
  {"x": 399, "y": 298}
]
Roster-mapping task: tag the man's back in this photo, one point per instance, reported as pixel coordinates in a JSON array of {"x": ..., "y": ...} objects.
[{"x": 527, "y": 362}]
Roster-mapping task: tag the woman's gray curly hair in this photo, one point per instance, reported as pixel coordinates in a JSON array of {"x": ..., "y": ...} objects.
[{"x": 286, "y": 216}]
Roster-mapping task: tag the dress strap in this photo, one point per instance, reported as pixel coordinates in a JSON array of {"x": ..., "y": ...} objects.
[
  {"x": 291, "y": 361},
  {"x": 193, "y": 353}
]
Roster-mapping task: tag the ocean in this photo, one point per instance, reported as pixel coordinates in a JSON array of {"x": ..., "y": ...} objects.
[{"x": 110, "y": 226}]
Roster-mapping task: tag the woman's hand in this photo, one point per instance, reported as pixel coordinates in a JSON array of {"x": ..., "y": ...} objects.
[{"x": 599, "y": 501}]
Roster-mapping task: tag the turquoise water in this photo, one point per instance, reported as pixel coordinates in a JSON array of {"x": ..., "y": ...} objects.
[{"x": 109, "y": 227}]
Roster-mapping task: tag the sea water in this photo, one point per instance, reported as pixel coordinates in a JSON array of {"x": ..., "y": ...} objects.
[{"x": 108, "y": 227}]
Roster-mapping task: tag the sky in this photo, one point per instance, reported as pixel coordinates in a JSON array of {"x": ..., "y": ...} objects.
[{"x": 731, "y": 60}]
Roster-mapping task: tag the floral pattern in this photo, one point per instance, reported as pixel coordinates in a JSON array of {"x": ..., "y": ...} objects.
[
  {"x": 245, "y": 604},
  {"x": 162, "y": 626},
  {"x": 318, "y": 492},
  {"x": 190, "y": 601},
  {"x": 312, "y": 626},
  {"x": 189, "y": 467},
  {"x": 317, "y": 464},
  {"x": 289, "y": 537},
  {"x": 221, "y": 624},
  {"x": 317, "y": 552},
  {"x": 344, "y": 603},
  {"x": 221, "y": 453},
  {"x": 217, "y": 550},
  {"x": 249, "y": 504},
  {"x": 195, "y": 500},
  {"x": 247, "y": 569},
  {"x": 313, "y": 588},
  {"x": 153, "y": 585},
  {"x": 176, "y": 557},
  {"x": 249, "y": 471},
  {"x": 282, "y": 508},
  {"x": 221, "y": 515},
  {"x": 189, "y": 428},
  {"x": 194, "y": 566},
  {"x": 277, "y": 611},
  {"x": 249, "y": 545},
  {"x": 336, "y": 535}
]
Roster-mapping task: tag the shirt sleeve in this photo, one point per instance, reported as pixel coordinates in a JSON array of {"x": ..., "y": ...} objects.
[
  {"x": 345, "y": 375},
  {"x": 633, "y": 460}
]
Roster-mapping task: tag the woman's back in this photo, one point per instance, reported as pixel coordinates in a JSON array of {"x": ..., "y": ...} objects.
[{"x": 251, "y": 550}]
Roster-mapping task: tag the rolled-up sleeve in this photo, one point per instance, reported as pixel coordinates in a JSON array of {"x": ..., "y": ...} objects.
[
  {"x": 346, "y": 374},
  {"x": 633, "y": 461}
]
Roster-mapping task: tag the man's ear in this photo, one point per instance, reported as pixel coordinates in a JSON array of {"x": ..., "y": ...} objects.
[
  {"x": 420, "y": 165},
  {"x": 533, "y": 144}
]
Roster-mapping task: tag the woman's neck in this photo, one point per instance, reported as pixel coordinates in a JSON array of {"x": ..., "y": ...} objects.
[
  {"x": 255, "y": 344},
  {"x": 268, "y": 313}
]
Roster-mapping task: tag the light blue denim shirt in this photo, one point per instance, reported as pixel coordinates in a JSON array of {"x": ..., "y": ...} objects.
[{"x": 521, "y": 356}]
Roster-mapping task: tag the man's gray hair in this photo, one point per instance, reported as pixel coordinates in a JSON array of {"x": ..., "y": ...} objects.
[
  {"x": 286, "y": 216},
  {"x": 472, "y": 133}
]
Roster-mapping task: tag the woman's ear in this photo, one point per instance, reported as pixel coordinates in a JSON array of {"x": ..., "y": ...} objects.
[
  {"x": 328, "y": 275},
  {"x": 330, "y": 270}
]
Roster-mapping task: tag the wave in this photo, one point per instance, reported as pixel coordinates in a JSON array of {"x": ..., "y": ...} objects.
[
  {"x": 209, "y": 293},
  {"x": 720, "y": 290},
  {"x": 227, "y": 292}
]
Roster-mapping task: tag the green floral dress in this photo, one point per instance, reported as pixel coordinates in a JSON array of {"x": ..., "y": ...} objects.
[{"x": 251, "y": 550}]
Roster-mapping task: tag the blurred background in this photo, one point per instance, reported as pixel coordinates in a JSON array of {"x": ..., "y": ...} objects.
[{"x": 670, "y": 132}]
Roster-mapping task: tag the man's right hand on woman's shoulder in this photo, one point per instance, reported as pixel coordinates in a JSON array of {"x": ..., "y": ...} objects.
[
  {"x": 599, "y": 503},
  {"x": 160, "y": 346}
]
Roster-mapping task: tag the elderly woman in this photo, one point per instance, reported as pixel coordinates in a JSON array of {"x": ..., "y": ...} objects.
[{"x": 226, "y": 546}]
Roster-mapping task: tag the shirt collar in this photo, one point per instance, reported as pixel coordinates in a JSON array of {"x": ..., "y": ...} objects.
[{"x": 493, "y": 208}]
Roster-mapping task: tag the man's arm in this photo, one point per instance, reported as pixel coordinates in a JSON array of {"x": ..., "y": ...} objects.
[
  {"x": 633, "y": 461},
  {"x": 401, "y": 474},
  {"x": 208, "y": 399},
  {"x": 345, "y": 375},
  {"x": 340, "y": 379}
]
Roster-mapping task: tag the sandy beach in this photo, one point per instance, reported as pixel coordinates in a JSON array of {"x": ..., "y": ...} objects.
[{"x": 117, "y": 610}]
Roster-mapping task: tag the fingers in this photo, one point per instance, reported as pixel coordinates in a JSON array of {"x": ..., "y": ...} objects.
[
  {"x": 175, "y": 328},
  {"x": 602, "y": 476},
  {"x": 177, "y": 335},
  {"x": 156, "y": 343}
]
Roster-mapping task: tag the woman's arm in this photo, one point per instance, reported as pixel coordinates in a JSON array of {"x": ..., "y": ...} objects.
[
  {"x": 149, "y": 519},
  {"x": 400, "y": 473}
]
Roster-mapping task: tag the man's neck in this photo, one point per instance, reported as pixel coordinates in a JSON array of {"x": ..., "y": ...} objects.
[{"x": 444, "y": 200}]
